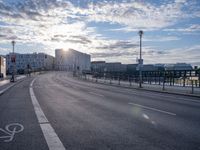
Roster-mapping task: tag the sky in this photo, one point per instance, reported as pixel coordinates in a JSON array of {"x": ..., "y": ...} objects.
[{"x": 105, "y": 29}]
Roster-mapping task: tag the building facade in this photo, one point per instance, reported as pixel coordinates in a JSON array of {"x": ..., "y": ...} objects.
[
  {"x": 72, "y": 60},
  {"x": 102, "y": 66},
  {"x": 98, "y": 66},
  {"x": 33, "y": 62},
  {"x": 178, "y": 67},
  {"x": 2, "y": 67},
  {"x": 115, "y": 67}
]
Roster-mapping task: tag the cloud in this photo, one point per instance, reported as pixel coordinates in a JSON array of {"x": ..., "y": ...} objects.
[
  {"x": 124, "y": 53},
  {"x": 185, "y": 54},
  {"x": 151, "y": 55},
  {"x": 62, "y": 24},
  {"x": 111, "y": 54},
  {"x": 82, "y": 39},
  {"x": 40, "y": 21},
  {"x": 161, "y": 38},
  {"x": 191, "y": 28},
  {"x": 138, "y": 15},
  {"x": 118, "y": 45}
]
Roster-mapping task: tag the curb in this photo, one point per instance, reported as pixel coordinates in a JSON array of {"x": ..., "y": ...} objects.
[
  {"x": 157, "y": 91},
  {"x": 10, "y": 86}
]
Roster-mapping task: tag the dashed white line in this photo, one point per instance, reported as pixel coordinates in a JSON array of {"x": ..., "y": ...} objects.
[
  {"x": 154, "y": 109},
  {"x": 93, "y": 93},
  {"x": 49, "y": 133}
]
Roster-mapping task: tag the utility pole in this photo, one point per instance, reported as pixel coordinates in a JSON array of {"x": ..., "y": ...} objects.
[
  {"x": 13, "y": 59},
  {"x": 140, "y": 60}
]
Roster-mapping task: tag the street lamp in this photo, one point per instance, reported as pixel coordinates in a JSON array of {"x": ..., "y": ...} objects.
[
  {"x": 13, "y": 61},
  {"x": 140, "y": 60}
]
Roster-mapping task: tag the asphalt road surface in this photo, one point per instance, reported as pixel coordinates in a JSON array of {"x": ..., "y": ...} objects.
[{"x": 56, "y": 111}]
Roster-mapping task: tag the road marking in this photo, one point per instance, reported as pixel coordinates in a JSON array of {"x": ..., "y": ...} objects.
[
  {"x": 2, "y": 91},
  {"x": 38, "y": 111},
  {"x": 51, "y": 137},
  {"x": 10, "y": 131},
  {"x": 93, "y": 93},
  {"x": 49, "y": 133},
  {"x": 7, "y": 88},
  {"x": 154, "y": 109}
]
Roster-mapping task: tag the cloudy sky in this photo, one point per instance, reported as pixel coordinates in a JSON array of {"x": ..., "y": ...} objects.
[{"x": 106, "y": 29}]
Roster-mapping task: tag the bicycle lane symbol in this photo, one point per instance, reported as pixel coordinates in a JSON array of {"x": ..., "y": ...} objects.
[{"x": 10, "y": 130}]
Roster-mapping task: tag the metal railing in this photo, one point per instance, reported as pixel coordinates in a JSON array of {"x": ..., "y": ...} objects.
[{"x": 183, "y": 85}]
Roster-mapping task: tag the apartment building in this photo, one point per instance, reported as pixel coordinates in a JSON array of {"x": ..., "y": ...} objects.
[{"x": 34, "y": 62}]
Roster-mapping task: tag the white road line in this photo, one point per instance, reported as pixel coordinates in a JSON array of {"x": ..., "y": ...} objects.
[
  {"x": 93, "y": 93},
  {"x": 154, "y": 109},
  {"x": 51, "y": 137},
  {"x": 49, "y": 133},
  {"x": 38, "y": 111}
]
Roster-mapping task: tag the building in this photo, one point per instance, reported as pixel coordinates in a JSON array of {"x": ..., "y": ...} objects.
[
  {"x": 102, "y": 66},
  {"x": 115, "y": 67},
  {"x": 147, "y": 67},
  {"x": 34, "y": 62},
  {"x": 2, "y": 67},
  {"x": 98, "y": 66},
  {"x": 178, "y": 67},
  {"x": 160, "y": 67},
  {"x": 132, "y": 68},
  {"x": 72, "y": 60}
]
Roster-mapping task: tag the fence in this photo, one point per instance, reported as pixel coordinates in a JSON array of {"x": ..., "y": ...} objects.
[{"x": 180, "y": 81}]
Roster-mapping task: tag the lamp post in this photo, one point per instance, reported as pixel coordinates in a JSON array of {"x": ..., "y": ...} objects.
[
  {"x": 13, "y": 61},
  {"x": 140, "y": 60}
]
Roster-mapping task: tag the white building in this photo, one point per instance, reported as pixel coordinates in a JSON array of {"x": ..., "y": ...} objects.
[
  {"x": 2, "y": 67},
  {"x": 71, "y": 60},
  {"x": 34, "y": 61}
]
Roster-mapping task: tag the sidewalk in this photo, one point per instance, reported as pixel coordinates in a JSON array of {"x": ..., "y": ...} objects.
[
  {"x": 150, "y": 87},
  {"x": 6, "y": 84}
]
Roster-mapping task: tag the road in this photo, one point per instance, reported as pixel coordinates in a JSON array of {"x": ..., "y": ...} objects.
[{"x": 75, "y": 114}]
